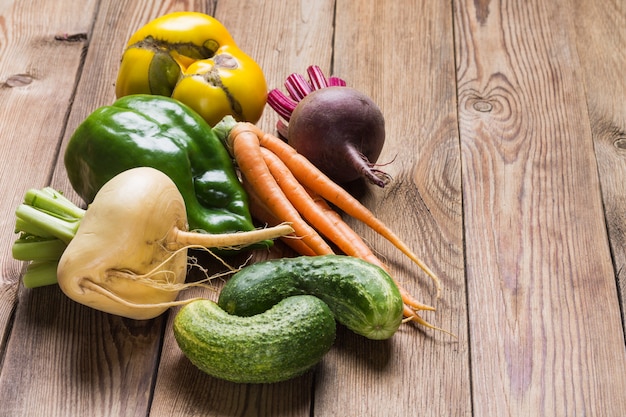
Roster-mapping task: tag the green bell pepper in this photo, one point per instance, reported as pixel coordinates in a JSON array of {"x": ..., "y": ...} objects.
[{"x": 162, "y": 133}]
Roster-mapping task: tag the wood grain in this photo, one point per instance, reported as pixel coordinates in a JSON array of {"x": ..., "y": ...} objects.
[
  {"x": 38, "y": 69},
  {"x": 37, "y": 74},
  {"x": 283, "y": 37},
  {"x": 602, "y": 54},
  {"x": 544, "y": 315}
]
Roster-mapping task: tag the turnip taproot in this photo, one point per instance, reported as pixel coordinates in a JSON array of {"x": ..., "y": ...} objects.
[
  {"x": 339, "y": 129},
  {"x": 129, "y": 254}
]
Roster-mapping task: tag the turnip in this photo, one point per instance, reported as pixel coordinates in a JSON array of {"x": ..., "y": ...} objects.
[
  {"x": 339, "y": 129},
  {"x": 128, "y": 255}
]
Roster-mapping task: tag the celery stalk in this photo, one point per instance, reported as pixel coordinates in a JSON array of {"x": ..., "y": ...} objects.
[
  {"x": 34, "y": 248},
  {"x": 39, "y": 274},
  {"x": 47, "y": 221}
]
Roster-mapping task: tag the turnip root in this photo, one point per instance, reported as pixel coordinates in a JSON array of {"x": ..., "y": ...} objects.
[
  {"x": 339, "y": 129},
  {"x": 129, "y": 254}
]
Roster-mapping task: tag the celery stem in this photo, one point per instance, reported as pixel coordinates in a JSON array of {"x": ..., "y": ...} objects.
[
  {"x": 36, "y": 222},
  {"x": 33, "y": 249},
  {"x": 47, "y": 221},
  {"x": 50, "y": 200},
  {"x": 39, "y": 274}
]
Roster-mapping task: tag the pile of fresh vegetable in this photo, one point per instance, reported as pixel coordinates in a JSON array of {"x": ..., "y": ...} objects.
[
  {"x": 176, "y": 163},
  {"x": 285, "y": 187}
]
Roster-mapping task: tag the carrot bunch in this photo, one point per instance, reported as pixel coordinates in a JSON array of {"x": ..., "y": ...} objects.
[{"x": 284, "y": 186}]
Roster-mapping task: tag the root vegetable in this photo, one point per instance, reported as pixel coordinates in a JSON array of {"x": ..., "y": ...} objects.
[
  {"x": 129, "y": 254},
  {"x": 339, "y": 129}
]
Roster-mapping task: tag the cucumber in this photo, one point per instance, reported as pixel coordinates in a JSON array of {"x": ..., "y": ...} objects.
[
  {"x": 278, "y": 344},
  {"x": 362, "y": 296}
]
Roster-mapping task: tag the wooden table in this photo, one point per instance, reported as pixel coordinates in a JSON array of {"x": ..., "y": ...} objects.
[{"x": 506, "y": 127}]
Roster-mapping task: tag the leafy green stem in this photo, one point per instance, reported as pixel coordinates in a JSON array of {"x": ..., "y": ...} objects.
[{"x": 46, "y": 221}]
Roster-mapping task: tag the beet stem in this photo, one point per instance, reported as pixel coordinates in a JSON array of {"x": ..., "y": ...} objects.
[
  {"x": 297, "y": 86},
  {"x": 283, "y": 129},
  {"x": 317, "y": 77},
  {"x": 281, "y": 104},
  {"x": 336, "y": 82}
]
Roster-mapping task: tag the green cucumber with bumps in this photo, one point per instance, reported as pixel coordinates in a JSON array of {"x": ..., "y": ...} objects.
[
  {"x": 275, "y": 345},
  {"x": 362, "y": 296}
]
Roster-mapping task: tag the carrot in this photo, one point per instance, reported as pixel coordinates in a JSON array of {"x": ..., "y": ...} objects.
[
  {"x": 262, "y": 213},
  {"x": 244, "y": 143},
  {"x": 306, "y": 206},
  {"x": 318, "y": 212},
  {"x": 360, "y": 250},
  {"x": 311, "y": 177},
  {"x": 358, "y": 247},
  {"x": 285, "y": 187}
]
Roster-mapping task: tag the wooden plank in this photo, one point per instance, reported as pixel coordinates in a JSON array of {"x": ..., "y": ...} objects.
[
  {"x": 401, "y": 54},
  {"x": 283, "y": 37},
  {"x": 41, "y": 45},
  {"x": 38, "y": 69},
  {"x": 602, "y": 51},
  {"x": 544, "y": 316},
  {"x": 67, "y": 359}
]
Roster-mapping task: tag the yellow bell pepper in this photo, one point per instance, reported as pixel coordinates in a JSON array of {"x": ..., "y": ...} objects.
[{"x": 191, "y": 57}]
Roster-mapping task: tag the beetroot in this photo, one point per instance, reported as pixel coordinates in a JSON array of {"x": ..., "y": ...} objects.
[{"x": 339, "y": 129}]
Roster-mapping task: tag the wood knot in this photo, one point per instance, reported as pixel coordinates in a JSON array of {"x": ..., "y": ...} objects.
[
  {"x": 482, "y": 106},
  {"x": 620, "y": 143},
  {"x": 495, "y": 104},
  {"x": 75, "y": 37},
  {"x": 18, "y": 80}
]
